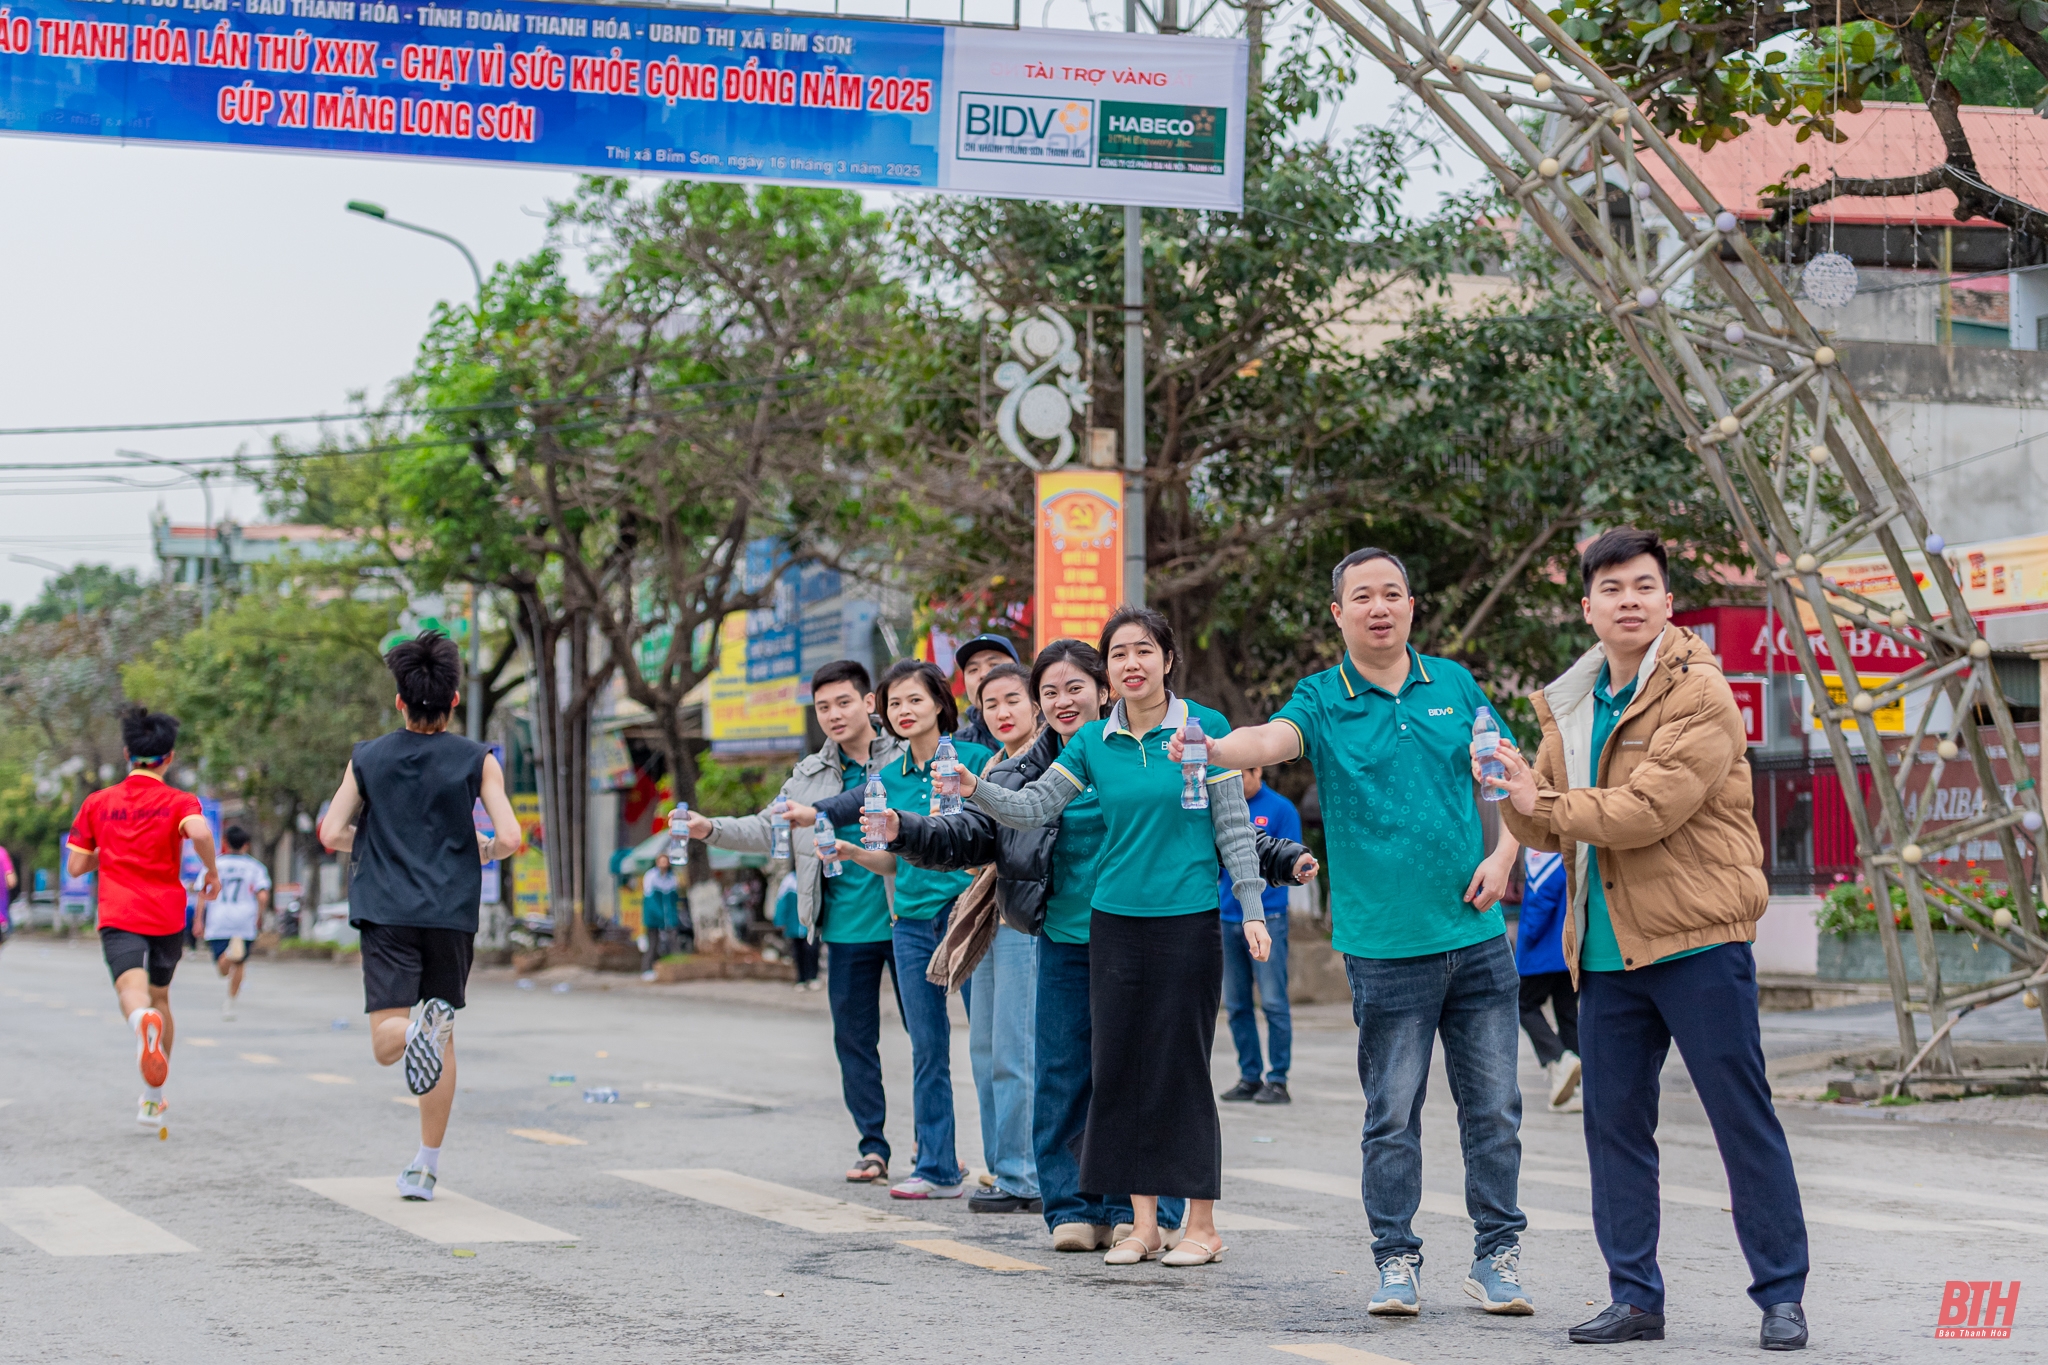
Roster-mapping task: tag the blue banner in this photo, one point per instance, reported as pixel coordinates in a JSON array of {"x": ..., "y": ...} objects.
[{"x": 709, "y": 94}]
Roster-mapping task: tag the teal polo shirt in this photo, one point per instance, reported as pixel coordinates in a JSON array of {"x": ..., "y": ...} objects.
[
  {"x": 1400, "y": 817},
  {"x": 920, "y": 892},
  {"x": 1076, "y": 867},
  {"x": 856, "y": 901},
  {"x": 1601, "y": 952},
  {"x": 1157, "y": 859}
]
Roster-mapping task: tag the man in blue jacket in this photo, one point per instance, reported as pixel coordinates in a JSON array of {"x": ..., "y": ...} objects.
[
  {"x": 1275, "y": 815},
  {"x": 1539, "y": 957}
]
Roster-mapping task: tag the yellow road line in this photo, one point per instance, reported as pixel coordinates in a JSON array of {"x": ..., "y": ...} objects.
[
  {"x": 551, "y": 1139},
  {"x": 960, "y": 1251},
  {"x": 260, "y": 1058},
  {"x": 329, "y": 1078},
  {"x": 1334, "y": 1354}
]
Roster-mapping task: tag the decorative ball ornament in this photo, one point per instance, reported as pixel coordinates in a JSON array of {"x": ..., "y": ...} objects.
[
  {"x": 1643, "y": 189},
  {"x": 1910, "y": 855},
  {"x": 1456, "y": 65},
  {"x": 1817, "y": 455},
  {"x": 1824, "y": 355},
  {"x": 1547, "y": 168},
  {"x": 1618, "y": 117},
  {"x": 1729, "y": 425},
  {"x": 1935, "y": 544},
  {"x": 1947, "y": 749},
  {"x": 1647, "y": 297},
  {"x": 1806, "y": 563},
  {"x": 1733, "y": 334},
  {"x": 2031, "y": 822},
  {"x": 2030, "y": 1000},
  {"x": 1724, "y": 221},
  {"x": 1980, "y": 648},
  {"x": 1541, "y": 84},
  {"x": 1899, "y": 618},
  {"x": 2001, "y": 919},
  {"x": 1829, "y": 280},
  {"x": 1864, "y": 704}
]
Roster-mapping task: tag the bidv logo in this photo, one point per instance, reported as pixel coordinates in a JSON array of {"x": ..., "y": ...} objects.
[
  {"x": 1443, "y": 710},
  {"x": 1047, "y": 131},
  {"x": 1976, "y": 1310}
]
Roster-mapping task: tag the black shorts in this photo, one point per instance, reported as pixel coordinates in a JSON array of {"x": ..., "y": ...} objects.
[
  {"x": 403, "y": 965},
  {"x": 125, "y": 950}
]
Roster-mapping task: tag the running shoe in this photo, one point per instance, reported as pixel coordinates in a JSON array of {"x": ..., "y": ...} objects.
[
  {"x": 149, "y": 1040},
  {"x": 150, "y": 1113},
  {"x": 1496, "y": 1281},
  {"x": 424, "y": 1043},
  {"x": 917, "y": 1187},
  {"x": 227, "y": 1007},
  {"x": 416, "y": 1182}
]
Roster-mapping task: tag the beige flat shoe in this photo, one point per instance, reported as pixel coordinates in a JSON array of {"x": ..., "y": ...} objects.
[
  {"x": 1130, "y": 1251},
  {"x": 1192, "y": 1252},
  {"x": 1080, "y": 1237},
  {"x": 1168, "y": 1237}
]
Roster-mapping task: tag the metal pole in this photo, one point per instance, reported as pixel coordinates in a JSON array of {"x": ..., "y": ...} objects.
[
  {"x": 473, "y": 718},
  {"x": 1134, "y": 405},
  {"x": 206, "y": 564}
]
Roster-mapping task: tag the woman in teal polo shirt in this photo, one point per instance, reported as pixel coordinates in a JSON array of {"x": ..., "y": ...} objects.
[
  {"x": 1155, "y": 938},
  {"x": 916, "y": 703}
]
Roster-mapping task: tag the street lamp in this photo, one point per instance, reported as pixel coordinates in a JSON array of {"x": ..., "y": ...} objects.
[
  {"x": 376, "y": 211},
  {"x": 77, "y": 584},
  {"x": 202, "y": 474}
]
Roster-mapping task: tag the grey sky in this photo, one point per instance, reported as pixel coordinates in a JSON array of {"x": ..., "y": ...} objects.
[{"x": 165, "y": 284}]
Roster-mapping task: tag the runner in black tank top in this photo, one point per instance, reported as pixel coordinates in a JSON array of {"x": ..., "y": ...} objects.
[{"x": 404, "y": 812}]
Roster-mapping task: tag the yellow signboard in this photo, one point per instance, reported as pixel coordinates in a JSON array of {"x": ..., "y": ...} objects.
[
  {"x": 743, "y": 715},
  {"x": 1996, "y": 576},
  {"x": 530, "y": 867},
  {"x": 1891, "y": 719}
]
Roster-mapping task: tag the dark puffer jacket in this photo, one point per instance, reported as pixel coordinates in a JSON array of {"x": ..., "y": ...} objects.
[{"x": 1023, "y": 857}]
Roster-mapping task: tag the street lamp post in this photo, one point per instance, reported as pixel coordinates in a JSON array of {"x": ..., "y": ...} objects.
[
  {"x": 376, "y": 211},
  {"x": 77, "y": 584}
]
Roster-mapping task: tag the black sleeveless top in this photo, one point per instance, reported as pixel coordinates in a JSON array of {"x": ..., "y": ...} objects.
[{"x": 415, "y": 857}]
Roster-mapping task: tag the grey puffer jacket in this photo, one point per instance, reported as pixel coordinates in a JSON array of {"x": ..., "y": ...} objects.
[{"x": 816, "y": 777}]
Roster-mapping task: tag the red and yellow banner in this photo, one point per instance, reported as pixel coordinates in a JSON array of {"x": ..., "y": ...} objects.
[{"x": 1080, "y": 539}]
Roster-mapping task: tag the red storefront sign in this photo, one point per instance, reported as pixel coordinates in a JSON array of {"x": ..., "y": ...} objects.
[
  {"x": 1749, "y": 699},
  {"x": 1957, "y": 798},
  {"x": 1751, "y": 640}
]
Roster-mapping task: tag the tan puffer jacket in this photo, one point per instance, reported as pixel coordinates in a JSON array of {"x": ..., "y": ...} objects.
[{"x": 1671, "y": 810}]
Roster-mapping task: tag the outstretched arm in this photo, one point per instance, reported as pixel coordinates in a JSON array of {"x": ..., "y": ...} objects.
[
  {"x": 1255, "y": 746},
  {"x": 1028, "y": 807}
]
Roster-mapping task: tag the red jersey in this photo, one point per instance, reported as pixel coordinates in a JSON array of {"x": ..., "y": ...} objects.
[{"x": 136, "y": 828}]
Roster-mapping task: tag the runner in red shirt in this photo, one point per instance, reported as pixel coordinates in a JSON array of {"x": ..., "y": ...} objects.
[{"x": 132, "y": 834}]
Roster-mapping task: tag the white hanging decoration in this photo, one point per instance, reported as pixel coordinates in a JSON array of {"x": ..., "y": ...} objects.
[
  {"x": 1042, "y": 344},
  {"x": 1829, "y": 280}
]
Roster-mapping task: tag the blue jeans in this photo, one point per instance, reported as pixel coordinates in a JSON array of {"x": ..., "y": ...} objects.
[
  {"x": 854, "y": 987},
  {"x": 1002, "y": 1010},
  {"x": 1627, "y": 1022},
  {"x": 1060, "y": 1103},
  {"x": 1469, "y": 996},
  {"x": 931, "y": 1049},
  {"x": 1240, "y": 974}
]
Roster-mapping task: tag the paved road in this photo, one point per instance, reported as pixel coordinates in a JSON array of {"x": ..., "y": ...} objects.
[{"x": 264, "y": 1226}]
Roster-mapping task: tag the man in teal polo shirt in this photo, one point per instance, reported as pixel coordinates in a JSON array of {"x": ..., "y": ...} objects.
[{"x": 1415, "y": 911}]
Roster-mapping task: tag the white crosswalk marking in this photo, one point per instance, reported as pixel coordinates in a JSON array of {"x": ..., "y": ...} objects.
[
  {"x": 1448, "y": 1205},
  {"x": 71, "y": 1220},
  {"x": 1333, "y": 1354},
  {"x": 776, "y": 1203},
  {"x": 448, "y": 1217}
]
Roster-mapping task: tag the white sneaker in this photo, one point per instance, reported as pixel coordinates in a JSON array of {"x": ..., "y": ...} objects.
[
  {"x": 1564, "y": 1078},
  {"x": 227, "y": 1007},
  {"x": 150, "y": 1113}
]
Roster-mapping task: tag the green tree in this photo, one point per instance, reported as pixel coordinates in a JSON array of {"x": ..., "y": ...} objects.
[{"x": 97, "y": 586}]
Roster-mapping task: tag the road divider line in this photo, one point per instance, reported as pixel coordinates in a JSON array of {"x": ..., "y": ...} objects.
[
  {"x": 259, "y": 1058},
  {"x": 71, "y": 1220},
  {"x": 1445, "y": 1205},
  {"x": 411, "y": 1100},
  {"x": 972, "y": 1255},
  {"x": 546, "y": 1137},
  {"x": 1333, "y": 1354},
  {"x": 1228, "y": 1221},
  {"x": 448, "y": 1217},
  {"x": 776, "y": 1203},
  {"x": 705, "y": 1092},
  {"x": 329, "y": 1078},
  {"x": 1720, "y": 1200}
]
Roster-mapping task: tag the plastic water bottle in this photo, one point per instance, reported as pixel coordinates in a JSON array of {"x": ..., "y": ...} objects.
[
  {"x": 828, "y": 851},
  {"x": 778, "y": 820},
  {"x": 603, "y": 1094},
  {"x": 876, "y": 804},
  {"x": 1194, "y": 766},
  {"x": 1485, "y": 742},
  {"x": 679, "y": 833},
  {"x": 946, "y": 778}
]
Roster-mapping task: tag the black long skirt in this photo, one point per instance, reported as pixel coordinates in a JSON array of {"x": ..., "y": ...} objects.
[{"x": 1154, "y": 985}]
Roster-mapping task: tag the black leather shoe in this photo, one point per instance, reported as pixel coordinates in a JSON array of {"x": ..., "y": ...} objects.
[
  {"x": 1784, "y": 1328},
  {"x": 1619, "y": 1322},
  {"x": 1000, "y": 1201},
  {"x": 1273, "y": 1092},
  {"x": 1242, "y": 1092}
]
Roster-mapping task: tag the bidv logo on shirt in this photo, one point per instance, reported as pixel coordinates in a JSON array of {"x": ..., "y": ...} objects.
[{"x": 1443, "y": 710}]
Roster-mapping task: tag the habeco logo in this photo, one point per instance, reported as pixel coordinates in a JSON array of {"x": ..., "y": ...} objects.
[
  {"x": 1049, "y": 132},
  {"x": 1162, "y": 137}
]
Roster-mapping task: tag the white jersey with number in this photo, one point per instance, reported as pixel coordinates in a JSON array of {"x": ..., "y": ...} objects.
[{"x": 234, "y": 914}]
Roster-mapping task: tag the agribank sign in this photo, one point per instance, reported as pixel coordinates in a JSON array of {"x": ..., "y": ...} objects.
[{"x": 712, "y": 94}]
